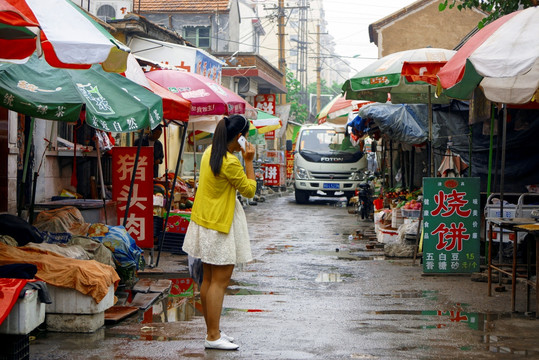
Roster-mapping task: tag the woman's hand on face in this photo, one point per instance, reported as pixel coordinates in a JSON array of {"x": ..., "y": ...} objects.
[{"x": 249, "y": 153}]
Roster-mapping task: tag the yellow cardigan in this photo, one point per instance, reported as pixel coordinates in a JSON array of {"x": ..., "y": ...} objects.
[{"x": 215, "y": 198}]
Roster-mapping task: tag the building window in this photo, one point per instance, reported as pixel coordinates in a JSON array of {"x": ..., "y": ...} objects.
[
  {"x": 197, "y": 35},
  {"x": 106, "y": 12}
]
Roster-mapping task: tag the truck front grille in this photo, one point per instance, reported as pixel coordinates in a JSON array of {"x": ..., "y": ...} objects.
[{"x": 331, "y": 176}]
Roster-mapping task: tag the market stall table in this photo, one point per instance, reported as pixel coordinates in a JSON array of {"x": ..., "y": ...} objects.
[
  {"x": 515, "y": 225},
  {"x": 91, "y": 209}
]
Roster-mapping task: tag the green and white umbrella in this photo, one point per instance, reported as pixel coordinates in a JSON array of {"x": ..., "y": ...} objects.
[
  {"x": 404, "y": 75},
  {"x": 111, "y": 102}
]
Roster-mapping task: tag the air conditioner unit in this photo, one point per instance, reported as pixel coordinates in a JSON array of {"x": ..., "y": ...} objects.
[{"x": 247, "y": 87}]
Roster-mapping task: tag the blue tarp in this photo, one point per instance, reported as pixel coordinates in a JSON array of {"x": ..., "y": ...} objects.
[{"x": 401, "y": 122}]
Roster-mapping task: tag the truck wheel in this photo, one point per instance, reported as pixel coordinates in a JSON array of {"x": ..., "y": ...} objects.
[{"x": 302, "y": 196}]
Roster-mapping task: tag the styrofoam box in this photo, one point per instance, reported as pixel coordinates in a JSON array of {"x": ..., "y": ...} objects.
[
  {"x": 387, "y": 236},
  {"x": 25, "y": 316},
  {"x": 71, "y": 301}
]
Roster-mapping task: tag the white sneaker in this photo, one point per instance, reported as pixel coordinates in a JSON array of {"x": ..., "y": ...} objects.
[
  {"x": 226, "y": 337},
  {"x": 220, "y": 344}
]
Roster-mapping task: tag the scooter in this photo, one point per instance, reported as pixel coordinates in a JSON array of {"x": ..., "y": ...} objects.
[
  {"x": 365, "y": 207},
  {"x": 259, "y": 176}
]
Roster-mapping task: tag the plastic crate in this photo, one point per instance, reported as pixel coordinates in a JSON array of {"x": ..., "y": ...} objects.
[
  {"x": 15, "y": 347},
  {"x": 178, "y": 223},
  {"x": 173, "y": 243},
  {"x": 27, "y": 313},
  {"x": 158, "y": 224}
]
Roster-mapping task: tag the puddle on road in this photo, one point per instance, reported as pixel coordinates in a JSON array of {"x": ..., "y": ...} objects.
[
  {"x": 414, "y": 294},
  {"x": 145, "y": 337},
  {"x": 454, "y": 315},
  {"x": 496, "y": 344},
  {"x": 481, "y": 322},
  {"x": 178, "y": 309},
  {"x": 278, "y": 248},
  {"x": 184, "y": 308},
  {"x": 243, "y": 291},
  {"x": 348, "y": 255},
  {"x": 329, "y": 277},
  {"x": 239, "y": 288},
  {"x": 227, "y": 310}
]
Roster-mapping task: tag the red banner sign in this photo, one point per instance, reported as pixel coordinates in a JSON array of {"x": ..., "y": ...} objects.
[
  {"x": 289, "y": 164},
  {"x": 274, "y": 174},
  {"x": 140, "y": 219},
  {"x": 266, "y": 103}
]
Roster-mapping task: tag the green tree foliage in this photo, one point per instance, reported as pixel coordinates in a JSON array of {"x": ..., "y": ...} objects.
[
  {"x": 334, "y": 89},
  {"x": 495, "y": 8},
  {"x": 298, "y": 111}
]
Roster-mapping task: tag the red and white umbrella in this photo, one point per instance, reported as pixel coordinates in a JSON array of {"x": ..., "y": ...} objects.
[
  {"x": 502, "y": 58},
  {"x": 337, "y": 110},
  {"x": 174, "y": 106},
  {"x": 59, "y": 29},
  {"x": 209, "y": 100}
]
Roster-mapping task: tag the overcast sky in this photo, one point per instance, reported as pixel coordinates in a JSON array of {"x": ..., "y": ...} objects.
[{"x": 348, "y": 22}]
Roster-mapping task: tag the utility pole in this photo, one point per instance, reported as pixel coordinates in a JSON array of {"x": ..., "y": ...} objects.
[
  {"x": 302, "y": 60},
  {"x": 302, "y": 41},
  {"x": 318, "y": 69},
  {"x": 282, "y": 60}
]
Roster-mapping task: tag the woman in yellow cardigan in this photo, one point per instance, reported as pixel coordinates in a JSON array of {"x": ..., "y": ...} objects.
[{"x": 217, "y": 233}]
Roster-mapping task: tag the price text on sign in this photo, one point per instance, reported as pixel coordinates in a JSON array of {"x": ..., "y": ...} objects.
[
  {"x": 140, "y": 219},
  {"x": 451, "y": 225}
]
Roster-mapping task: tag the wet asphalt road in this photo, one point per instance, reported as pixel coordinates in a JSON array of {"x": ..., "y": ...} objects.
[{"x": 311, "y": 293}]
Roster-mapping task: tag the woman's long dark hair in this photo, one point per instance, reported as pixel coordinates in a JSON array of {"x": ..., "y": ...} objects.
[{"x": 227, "y": 129}]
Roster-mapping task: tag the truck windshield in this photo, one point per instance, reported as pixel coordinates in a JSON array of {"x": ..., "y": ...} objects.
[{"x": 326, "y": 141}]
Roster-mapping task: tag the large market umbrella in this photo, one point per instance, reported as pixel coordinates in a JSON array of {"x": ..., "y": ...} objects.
[
  {"x": 338, "y": 108},
  {"x": 174, "y": 106},
  {"x": 112, "y": 102},
  {"x": 59, "y": 29},
  {"x": 207, "y": 97},
  {"x": 407, "y": 76},
  {"x": 502, "y": 58},
  {"x": 385, "y": 75},
  {"x": 209, "y": 100}
]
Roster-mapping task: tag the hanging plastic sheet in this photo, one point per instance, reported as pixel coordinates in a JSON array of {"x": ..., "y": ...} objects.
[{"x": 401, "y": 122}]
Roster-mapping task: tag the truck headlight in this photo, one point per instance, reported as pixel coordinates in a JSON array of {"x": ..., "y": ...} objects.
[
  {"x": 301, "y": 173},
  {"x": 355, "y": 176}
]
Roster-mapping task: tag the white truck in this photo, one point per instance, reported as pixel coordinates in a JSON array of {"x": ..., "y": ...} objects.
[{"x": 326, "y": 163}]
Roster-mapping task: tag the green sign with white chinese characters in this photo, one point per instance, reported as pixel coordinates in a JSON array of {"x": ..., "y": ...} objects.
[{"x": 451, "y": 225}]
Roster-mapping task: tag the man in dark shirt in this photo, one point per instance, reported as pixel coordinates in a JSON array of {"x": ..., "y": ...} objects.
[{"x": 158, "y": 154}]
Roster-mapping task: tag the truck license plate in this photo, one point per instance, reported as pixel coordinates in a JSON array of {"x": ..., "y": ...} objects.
[{"x": 331, "y": 186}]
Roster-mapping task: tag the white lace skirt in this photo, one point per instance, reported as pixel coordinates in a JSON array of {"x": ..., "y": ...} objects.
[{"x": 218, "y": 248}]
